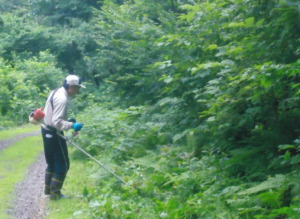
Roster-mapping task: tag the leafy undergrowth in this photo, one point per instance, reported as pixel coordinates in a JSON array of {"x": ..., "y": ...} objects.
[
  {"x": 165, "y": 180},
  {"x": 14, "y": 162}
]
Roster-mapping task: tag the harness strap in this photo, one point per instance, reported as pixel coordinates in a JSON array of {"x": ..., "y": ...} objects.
[{"x": 51, "y": 101}]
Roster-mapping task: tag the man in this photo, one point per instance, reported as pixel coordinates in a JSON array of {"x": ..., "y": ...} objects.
[{"x": 55, "y": 147}]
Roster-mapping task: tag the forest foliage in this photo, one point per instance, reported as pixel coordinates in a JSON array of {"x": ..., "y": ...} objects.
[{"x": 194, "y": 102}]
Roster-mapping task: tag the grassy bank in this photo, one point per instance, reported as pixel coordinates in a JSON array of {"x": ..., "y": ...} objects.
[
  {"x": 14, "y": 161},
  {"x": 10, "y": 133}
]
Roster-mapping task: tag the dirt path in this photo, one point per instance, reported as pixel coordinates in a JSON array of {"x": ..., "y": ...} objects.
[
  {"x": 6, "y": 143},
  {"x": 31, "y": 201}
]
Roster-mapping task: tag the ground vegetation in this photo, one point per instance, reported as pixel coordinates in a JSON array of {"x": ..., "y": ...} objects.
[{"x": 194, "y": 103}]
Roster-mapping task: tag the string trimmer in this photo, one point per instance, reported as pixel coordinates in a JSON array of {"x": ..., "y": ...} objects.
[{"x": 36, "y": 117}]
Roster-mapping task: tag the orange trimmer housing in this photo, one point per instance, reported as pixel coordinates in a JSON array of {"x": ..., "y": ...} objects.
[{"x": 38, "y": 114}]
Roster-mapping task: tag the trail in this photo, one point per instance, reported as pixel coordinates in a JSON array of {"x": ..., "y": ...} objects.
[{"x": 29, "y": 201}]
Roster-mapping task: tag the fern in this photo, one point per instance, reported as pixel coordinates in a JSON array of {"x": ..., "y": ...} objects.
[
  {"x": 271, "y": 199},
  {"x": 271, "y": 183},
  {"x": 243, "y": 201},
  {"x": 179, "y": 178},
  {"x": 149, "y": 161}
]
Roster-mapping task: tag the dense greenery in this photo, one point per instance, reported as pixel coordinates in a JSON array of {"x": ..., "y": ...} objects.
[{"x": 194, "y": 102}]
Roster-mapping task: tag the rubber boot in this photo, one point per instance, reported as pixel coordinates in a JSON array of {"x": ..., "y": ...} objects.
[
  {"x": 48, "y": 177},
  {"x": 55, "y": 188}
]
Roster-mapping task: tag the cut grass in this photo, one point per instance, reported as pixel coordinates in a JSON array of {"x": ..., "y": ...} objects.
[
  {"x": 14, "y": 161},
  {"x": 10, "y": 133}
]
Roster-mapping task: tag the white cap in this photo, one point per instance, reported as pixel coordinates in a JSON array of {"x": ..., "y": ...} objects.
[{"x": 75, "y": 80}]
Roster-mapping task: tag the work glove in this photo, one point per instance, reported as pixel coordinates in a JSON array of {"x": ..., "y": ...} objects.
[
  {"x": 77, "y": 126},
  {"x": 72, "y": 120}
]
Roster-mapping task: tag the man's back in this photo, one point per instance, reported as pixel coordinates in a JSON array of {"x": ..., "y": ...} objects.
[{"x": 56, "y": 110}]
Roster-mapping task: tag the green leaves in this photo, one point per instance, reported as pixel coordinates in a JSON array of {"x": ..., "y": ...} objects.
[
  {"x": 163, "y": 65},
  {"x": 286, "y": 146},
  {"x": 272, "y": 182},
  {"x": 200, "y": 95},
  {"x": 249, "y": 22},
  {"x": 212, "y": 47},
  {"x": 32, "y": 80},
  {"x": 260, "y": 22},
  {"x": 189, "y": 17},
  {"x": 287, "y": 156}
]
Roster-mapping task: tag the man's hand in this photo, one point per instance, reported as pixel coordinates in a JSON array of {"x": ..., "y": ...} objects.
[{"x": 77, "y": 126}]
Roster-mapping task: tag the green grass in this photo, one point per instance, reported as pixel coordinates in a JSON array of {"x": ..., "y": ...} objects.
[
  {"x": 10, "y": 133},
  {"x": 14, "y": 161},
  {"x": 75, "y": 183}
]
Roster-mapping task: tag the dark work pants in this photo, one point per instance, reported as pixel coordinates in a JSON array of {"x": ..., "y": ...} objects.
[{"x": 56, "y": 154}]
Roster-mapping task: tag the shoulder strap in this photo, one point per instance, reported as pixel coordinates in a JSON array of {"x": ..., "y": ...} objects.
[{"x": 51, "y": 99}]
